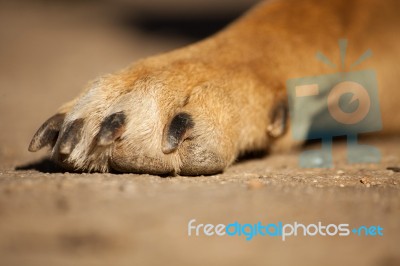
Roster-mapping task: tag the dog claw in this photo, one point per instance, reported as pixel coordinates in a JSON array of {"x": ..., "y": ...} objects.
[
  {"x": 178, "y": 129},
  {"x": 47, "y": 134},
  {"x": 71, "y": 137},
  {"x": 111, "y": 129}
]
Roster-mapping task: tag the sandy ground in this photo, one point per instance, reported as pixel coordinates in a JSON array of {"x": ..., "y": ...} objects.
[{"x": 47, "y": 53}]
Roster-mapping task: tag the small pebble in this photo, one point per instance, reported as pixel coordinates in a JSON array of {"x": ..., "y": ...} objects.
[
  {"x": 364, "y": 181},
  {"x": 254, "y": 184}
]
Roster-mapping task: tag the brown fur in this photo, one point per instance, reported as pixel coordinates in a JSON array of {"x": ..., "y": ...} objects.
[{"x": 231, "y": 85}]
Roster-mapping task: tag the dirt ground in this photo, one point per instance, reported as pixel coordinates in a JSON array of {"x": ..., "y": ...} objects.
[{"x": 48, "y": 217}]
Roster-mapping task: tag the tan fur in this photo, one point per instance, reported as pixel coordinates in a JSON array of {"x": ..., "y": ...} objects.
[{"x": 230, "y": 84}]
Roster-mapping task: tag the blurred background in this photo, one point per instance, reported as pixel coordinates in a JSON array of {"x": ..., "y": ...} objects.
[{"x": 50, "y": 49}]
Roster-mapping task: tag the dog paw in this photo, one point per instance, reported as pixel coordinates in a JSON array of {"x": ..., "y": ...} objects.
[{"x": 162, "y": 116}]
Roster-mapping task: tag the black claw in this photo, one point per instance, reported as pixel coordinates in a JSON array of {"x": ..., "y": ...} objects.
[
  {"x": 47, "y": 134},
  {"x": 71, "y": 137},
  {"x": 111, "y": 129},
  {"x": 176, "y": 132}
]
